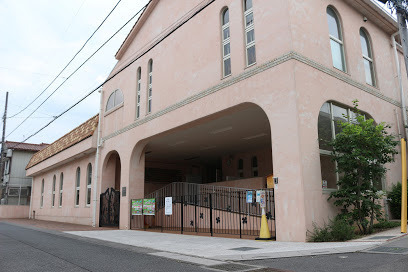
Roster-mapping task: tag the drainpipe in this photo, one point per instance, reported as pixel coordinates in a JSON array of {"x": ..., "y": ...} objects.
[
  {"x": 403, "y": 106},
  {"x": 98, "y": 145},
  {"x": 31, "y": 198}
]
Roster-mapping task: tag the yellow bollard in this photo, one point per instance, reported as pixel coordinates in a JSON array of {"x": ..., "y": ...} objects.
[
  {"x": 404, "y": 187},
  {"x": 264, "y": 233}
]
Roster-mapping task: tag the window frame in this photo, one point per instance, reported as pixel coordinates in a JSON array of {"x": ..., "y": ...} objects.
[
  {"x": 149, "y": 86},
  {"x": 54, "y": 181},
  {"x": 240, "y": 168},
  {"x": 138, "y": 91},
  {"x": 77, "y": 186},
  {"x": 61, "y": 186},
  {"x": 370, "y": 59},
  {"x": 254, "y": 167},
  {"x": 42, "y": 194},
  {"x": 248, "y": 29},
  {"x": 88, "y": 185},
  {"x": 115, "y": 104},
  {"x": 333, "y": 136},
  {"x": 225, "y": 42},
  {"x": 338, "y": 41}
]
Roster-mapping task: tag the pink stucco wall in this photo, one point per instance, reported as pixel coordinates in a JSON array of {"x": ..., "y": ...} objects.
[
  {"x": 68, "y": 212},
  {"x": 13, "y": 211},
  {"x": 291, "y": 80}
]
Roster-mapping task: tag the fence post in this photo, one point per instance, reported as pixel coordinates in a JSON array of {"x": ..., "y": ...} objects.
[
  {"x": 239, "y": 214},
  {"x": 195, "y": 212},
  {"x": 211, "y": 217},
  {"x": 182, "y": 211}
]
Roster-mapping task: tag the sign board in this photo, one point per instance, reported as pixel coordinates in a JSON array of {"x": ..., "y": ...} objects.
[
  {"x": 137, "y": 206},
  {"x": 262, "y": 201},
  {"x": 168, "y": 205},
  {"x": 249, "y": 197},
  {"x": 324, "y": 184},
  {"x": 258, "y": 196},
  {"x": 149, "y": 206}
]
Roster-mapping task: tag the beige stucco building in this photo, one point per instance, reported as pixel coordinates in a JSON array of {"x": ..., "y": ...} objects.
[{"x": 228, "y": 92}]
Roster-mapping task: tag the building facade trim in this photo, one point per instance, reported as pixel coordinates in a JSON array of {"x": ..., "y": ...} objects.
[{"x": 251, "y": 72}]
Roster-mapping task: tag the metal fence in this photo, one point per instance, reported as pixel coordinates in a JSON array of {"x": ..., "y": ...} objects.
[{"x": 209, "y": 209}]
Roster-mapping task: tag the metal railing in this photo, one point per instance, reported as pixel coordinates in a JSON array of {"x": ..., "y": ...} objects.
[{"x": 207, "y": 209}]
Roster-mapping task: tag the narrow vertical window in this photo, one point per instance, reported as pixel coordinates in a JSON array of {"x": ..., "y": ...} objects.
[
  {"x": 226, "y": 44},
  {"x": 249, "y": 32},
  {"x": 42, "y": 194},
  {"x": 139, "y": 83},
  {"x": 149, "y": 88},
  {"x": 254, "y": 166},
  {"x": 54, "y": 180},
  {"x": 241, "y": 168},
  {"x": 60, "y": 190},
  {"x": 88, "y": 184},
  {"x": 77, "y": 185},
  {"x": 336, "y": 40},
  {"x": 367, "y": 58}
]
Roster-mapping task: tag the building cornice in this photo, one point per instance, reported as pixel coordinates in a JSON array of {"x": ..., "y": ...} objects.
[{"x": 249, "y": 73}]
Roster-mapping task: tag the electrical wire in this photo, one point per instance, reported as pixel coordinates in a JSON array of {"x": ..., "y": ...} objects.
[
  {"x": 48, "y": 97},
  {"x": 121, "y": 70},
  {"x": 57, "y": 76}
]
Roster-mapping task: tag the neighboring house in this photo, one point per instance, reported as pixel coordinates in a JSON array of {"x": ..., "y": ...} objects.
[
  {"x": 242, "y": 90},
  {"x": 16, "y": 186}
]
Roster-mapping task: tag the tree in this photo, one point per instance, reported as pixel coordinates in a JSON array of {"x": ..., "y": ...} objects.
[{"x": 361, "y": 150}]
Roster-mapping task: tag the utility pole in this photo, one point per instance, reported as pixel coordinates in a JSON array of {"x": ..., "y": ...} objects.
[
  {"x": 401, "y": 8},
  {"x": 3, "y": 139}
]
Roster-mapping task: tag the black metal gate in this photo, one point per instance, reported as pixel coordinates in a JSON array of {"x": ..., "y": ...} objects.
[
  {"x": 110, "y": 208},
  {"x": 207, "y": 209}
]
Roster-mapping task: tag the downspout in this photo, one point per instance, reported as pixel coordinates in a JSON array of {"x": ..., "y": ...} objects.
[
  {"x": 31, "y": 198},
  {"x": 98, "y": 145},
  {"x": 403, "y": 106}
]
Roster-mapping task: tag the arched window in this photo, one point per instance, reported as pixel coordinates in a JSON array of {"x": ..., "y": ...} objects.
[
  {"x": 77, "y": 186},
  {"x": 88, "y": 184},
  {"x": 60, "y": 190},
  {"x": 254, "y": 163},
  {"x": 42, "y": 194},
  {"x": 329, "y": 116},
  {"x": 226, "y": 43},
  {"x": 367, "y": 57},
  {"x": 149, "y": 87},
  {"x": 241, "y": 168},
  {"x": 115, "y": 99},
  {"x": 139, "y": 84},
  {"x": 336, "y": 40},
  {"x": 249, "y": 32},
  {"x": 54, "y": 181}
]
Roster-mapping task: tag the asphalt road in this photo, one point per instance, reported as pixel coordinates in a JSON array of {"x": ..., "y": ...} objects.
[
  {"x": 28, "y": 249},
  {"x": 23, "y": 249},
  {"x": 355, "y": 262}
]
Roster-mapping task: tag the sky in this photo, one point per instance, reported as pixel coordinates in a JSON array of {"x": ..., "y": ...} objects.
[{"x": 38, "y": 38}]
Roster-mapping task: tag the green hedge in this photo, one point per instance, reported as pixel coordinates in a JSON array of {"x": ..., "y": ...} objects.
[{"x": 395, "y": 202}]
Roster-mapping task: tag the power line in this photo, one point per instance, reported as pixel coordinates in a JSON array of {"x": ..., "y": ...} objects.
[
  {"x": 122, "y": 69},
  {"x": 78, "y": 68},
  {"x": 57, "y": 76}
]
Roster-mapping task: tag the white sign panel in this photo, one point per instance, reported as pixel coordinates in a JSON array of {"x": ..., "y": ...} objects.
[
  {"x": 258, "y": 196},
  {"x": 262, "y": 199},
  {"x": 168, "y": 205}
]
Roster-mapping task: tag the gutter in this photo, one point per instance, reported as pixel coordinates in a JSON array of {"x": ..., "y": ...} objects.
[{"x": 98, "y": 146}]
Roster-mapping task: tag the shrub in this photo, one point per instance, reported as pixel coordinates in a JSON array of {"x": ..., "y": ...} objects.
[
  {"x": 338, "y": 229},
  {"x": 387, "y": 225},
  {"x": 395, "y": 202}
]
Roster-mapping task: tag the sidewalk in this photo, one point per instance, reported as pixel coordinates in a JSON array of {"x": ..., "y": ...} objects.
[
  {"x": 211, "y": 249},
  {"x": 227, "y": 249}
]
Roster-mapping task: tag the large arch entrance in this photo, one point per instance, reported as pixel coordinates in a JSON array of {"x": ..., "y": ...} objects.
[
  {"x": 207, "y": 167},
  {"x": 110, "y": 188}
]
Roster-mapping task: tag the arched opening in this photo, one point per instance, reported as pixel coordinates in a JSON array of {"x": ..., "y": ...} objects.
[
  {"x": 110, "y": 191},
  {"x": 223, "y": 155}
]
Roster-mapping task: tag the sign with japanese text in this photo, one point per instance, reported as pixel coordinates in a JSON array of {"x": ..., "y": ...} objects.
[
  {"x": 149, "y": 206},
  {"x": 137, "y": 206}
]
